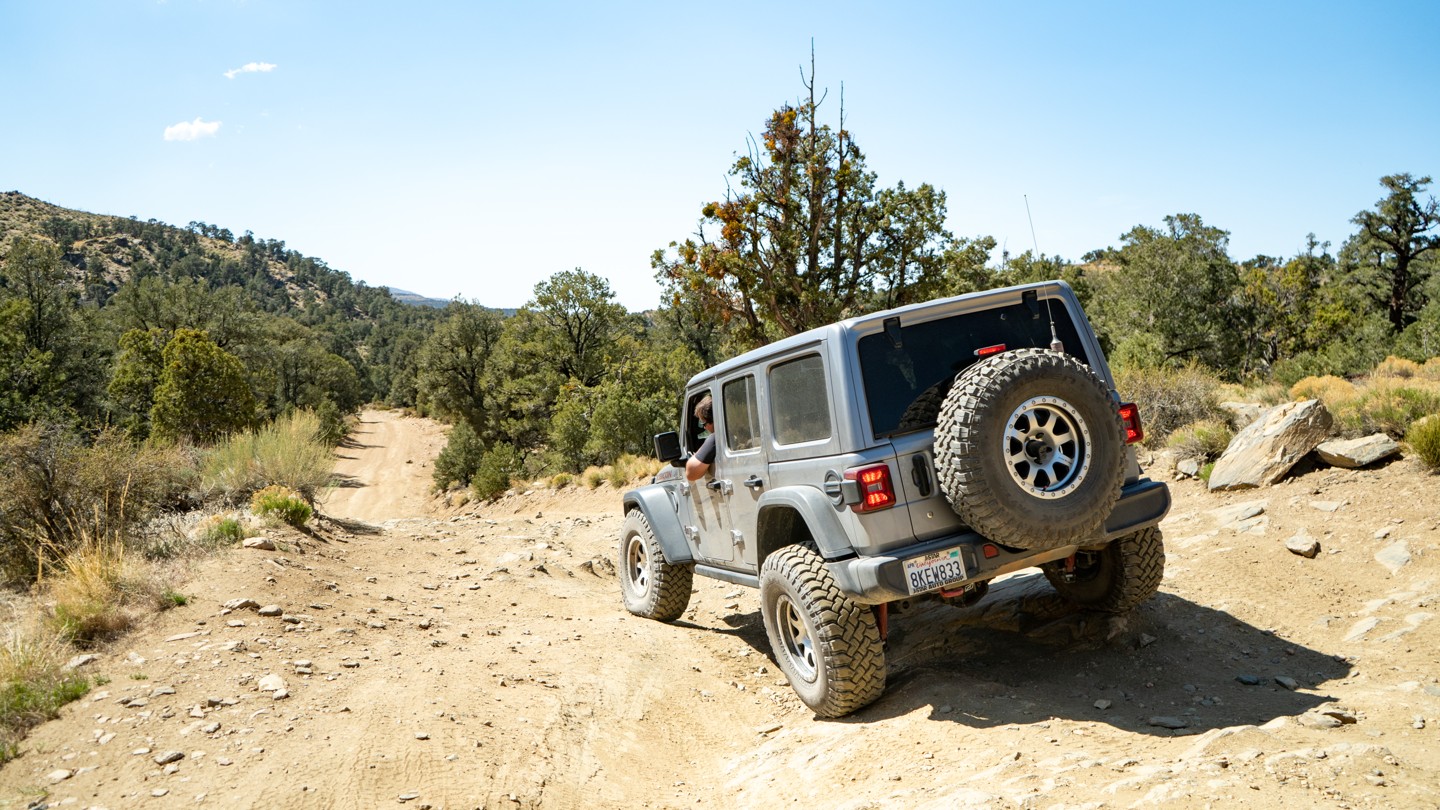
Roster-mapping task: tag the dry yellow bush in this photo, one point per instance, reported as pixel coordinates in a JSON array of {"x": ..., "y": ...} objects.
[
  {"x": 1431, "y": 369},
  {"x": 1333, "y": 391},
  {"x": 1393, "y": 366}
]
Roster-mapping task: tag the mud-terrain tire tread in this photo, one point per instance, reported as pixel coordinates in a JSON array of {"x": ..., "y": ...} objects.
[
  {"x": 974, "y": 477},
  {"x": 852, "y": 672},
  {"x": 669, "y": 589},
  {"x": 1131, "y": 568}
]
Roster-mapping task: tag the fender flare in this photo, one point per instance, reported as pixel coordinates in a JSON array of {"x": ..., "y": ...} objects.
[
  {"x": 818, "y": 512},
  {"x": 659, "y": 510}
]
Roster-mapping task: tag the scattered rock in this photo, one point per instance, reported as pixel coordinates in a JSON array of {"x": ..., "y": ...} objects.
[
  {"x": 1360, "y": 628},
  {"x": 1303, "y": 544},
  {"x": 1418, "y": 722},
  {"x": 82, "y": 660},
  {"x": 1345, "y": 716},
  {"x": 1265, "y": 450},
  {"x": 1162, "y": 721},
  {"x": 1188, "y": 467},
  {"x": 1146, "y": 640},
  {"x": 183, "y": 636},
  {"x": 1103, "y": 704},
  {"x": 1240, "y": 516},
  {"x": 1394, "y": 556},
  {"x": 258, "y": 543},
  {"x": 168, "y": 757},
  {"x": 1317, "y": 720},
  {"x": 1287, "y": 682},
  {"x": 271, "y": 683},
  {"x": 210, "y": 728},
  {"x": 420, "y": 735},
  {"x": 1354, "y": 453},
  {"x": 281, "y": 694},
  {"x": 1327, "y": 506},
  {"x": 271, "y": 610},
  {"x": 1249, "y": 680},
  {"x": 241, "y": 604},
  {"x": 405, "y": 797},
  {"x": 56, "y": 777}
]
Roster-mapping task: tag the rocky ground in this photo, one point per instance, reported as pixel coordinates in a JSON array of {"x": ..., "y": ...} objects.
[{"x": 482, "y": 659}]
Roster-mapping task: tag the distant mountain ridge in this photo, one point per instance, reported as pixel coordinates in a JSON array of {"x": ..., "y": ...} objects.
[{"x": 416, "y": 299}]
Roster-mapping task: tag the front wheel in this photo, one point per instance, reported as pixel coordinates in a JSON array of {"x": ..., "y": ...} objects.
[
  {"x": 1115, "y": 579},
  {"x": 827, "y": 645},
  {"x": 650, "y": 586}
]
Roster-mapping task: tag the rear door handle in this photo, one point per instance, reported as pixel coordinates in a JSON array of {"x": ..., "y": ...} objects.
[{"x": 754, "y": 482}]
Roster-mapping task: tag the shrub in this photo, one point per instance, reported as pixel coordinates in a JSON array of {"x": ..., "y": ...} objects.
[
  {"x": 1205, "y": 439},
  {"x": 1423, "y": 437},
  {"x": 219, "y": 530},
  {"x": 281, "y": 503},
  {"x": 1331, "y": 390},
  {"x": 561, "y": 480},
  {"x": 593, "y": 477},
  {"x": 58, "y": 490},
  {"x": 288, "y": 452},
  {"x": 1169, "y": 398},
  {"x": 333, "y": 427},
  {"x": 33, "y": 685},
  {"x": 497, "y": 467},
  {"x": 1393, "y": 366},
  {"x": 461, "y": 457},
  {"x": 1431, "y": 369},
  {"x": 1388, "y": 406}
]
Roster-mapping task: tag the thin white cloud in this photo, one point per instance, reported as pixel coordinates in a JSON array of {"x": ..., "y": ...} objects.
[
  {"x": 253, "y": 67},
  {"x": 191, "y": 130}
]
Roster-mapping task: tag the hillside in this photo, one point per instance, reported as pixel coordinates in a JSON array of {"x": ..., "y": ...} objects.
[{"x": 483, "y": 659}]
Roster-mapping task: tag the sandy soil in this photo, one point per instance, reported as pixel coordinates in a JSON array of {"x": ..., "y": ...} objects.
[{"x": 483, "y": 660}]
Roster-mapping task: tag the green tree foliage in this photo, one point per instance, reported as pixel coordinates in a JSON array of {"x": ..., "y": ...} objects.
[
  {"x": 453, "y": 379},
  {"x": 137, "y": 372},
  {"x": 807, "y": 238},
  {"x": 1170, "y": 297},
  {"x": 203, "y": 393},
  {"x": 1385, "y": 257},
  {"x": 577, "y": 320}
]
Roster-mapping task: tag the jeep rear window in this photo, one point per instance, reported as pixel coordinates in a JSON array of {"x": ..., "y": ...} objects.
[{"x": 905, "y": 386}]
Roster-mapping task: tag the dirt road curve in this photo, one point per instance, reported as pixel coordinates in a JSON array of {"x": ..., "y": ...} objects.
[
  {"x": 484, "y": 661},
  {"x": 385, "y": 468}
]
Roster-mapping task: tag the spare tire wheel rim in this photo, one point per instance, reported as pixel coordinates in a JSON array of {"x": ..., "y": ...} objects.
[{"x": 1047, "y": 447}]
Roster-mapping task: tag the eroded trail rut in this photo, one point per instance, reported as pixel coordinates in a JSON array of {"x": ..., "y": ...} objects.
[{"x": 482, "y": 659}]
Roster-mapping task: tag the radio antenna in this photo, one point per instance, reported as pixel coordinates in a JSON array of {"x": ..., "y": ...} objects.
[{"x": 1055, "y": 344}]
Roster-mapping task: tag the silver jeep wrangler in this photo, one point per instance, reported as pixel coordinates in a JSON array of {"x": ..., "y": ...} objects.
[{"x": 914, "y": 453}]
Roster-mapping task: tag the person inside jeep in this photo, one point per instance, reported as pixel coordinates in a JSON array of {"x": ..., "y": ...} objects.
[{"x": 699, "y": 464}]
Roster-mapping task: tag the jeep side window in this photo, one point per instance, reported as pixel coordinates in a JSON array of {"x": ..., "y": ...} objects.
[
  {"x": 694, "y": 431},
  {"x": 741, "y": 414},
  {"x": 799, "y": 404}
]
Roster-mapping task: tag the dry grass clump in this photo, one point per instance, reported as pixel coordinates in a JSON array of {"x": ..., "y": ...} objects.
[
  {"x": 1393, "y": 366},
  {"x": 1334, "y": 391},
  {"x": 593, "y": 477},
  {"x": 1205, "y": 439},
  {"x": 33, "y": 684},
  {"x": 1169, "y": 398},
  {"x": 1431, "y": 369},
  {"x": 561, "y": 480},
  {"x": 282, "y": 504},
  {"x": 628, "y": 468},
  {"x": 1423, "y": 436},
  {"x": 1389, "y": 405}
]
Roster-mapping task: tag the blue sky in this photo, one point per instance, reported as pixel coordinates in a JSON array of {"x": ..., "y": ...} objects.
[{"x": 476, "y": 148}]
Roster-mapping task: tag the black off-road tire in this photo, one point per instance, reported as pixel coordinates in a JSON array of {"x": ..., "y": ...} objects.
[
  {"x": 1115, "y": 579},
  {"x": 1030, "y": 449},
  {"x": 650, "y": 586},
  {"x": 827, "y": 645}
]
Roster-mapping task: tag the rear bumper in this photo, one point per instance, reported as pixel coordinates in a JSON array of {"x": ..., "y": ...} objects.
[{"x": 873, "y": 580}]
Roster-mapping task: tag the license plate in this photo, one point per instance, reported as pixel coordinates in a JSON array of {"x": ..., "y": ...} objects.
[{"x": 935, "y": 570}]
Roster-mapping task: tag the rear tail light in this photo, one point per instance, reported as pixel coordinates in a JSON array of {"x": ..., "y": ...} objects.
[
  {"x": 1130, "y": 415},
  {"x": 876, "y": 489}
]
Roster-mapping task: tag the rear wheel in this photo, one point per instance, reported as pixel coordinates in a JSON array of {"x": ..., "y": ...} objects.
[
  {"x": 650, "y": 586},
  {"x": 827, "y": 645},
  {"x": 1116, "y": 578}
]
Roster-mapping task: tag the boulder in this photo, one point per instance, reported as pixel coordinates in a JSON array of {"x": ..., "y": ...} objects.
[
  {"x": 1352, "y": 453},
  {"x": 1264, "y": 451},
  {"x": 1243, "y": 413}
]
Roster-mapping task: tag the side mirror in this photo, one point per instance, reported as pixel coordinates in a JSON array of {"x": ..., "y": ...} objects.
[{"x": 667, "y": 446}]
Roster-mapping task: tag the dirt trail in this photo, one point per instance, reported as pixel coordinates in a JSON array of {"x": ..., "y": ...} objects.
[
  {"x": 483, "y": 660},
  {"x": 385, "y": 467}
]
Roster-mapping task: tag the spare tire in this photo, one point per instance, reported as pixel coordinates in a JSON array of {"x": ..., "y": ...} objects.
[{"x": 1030, "y": 449}]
